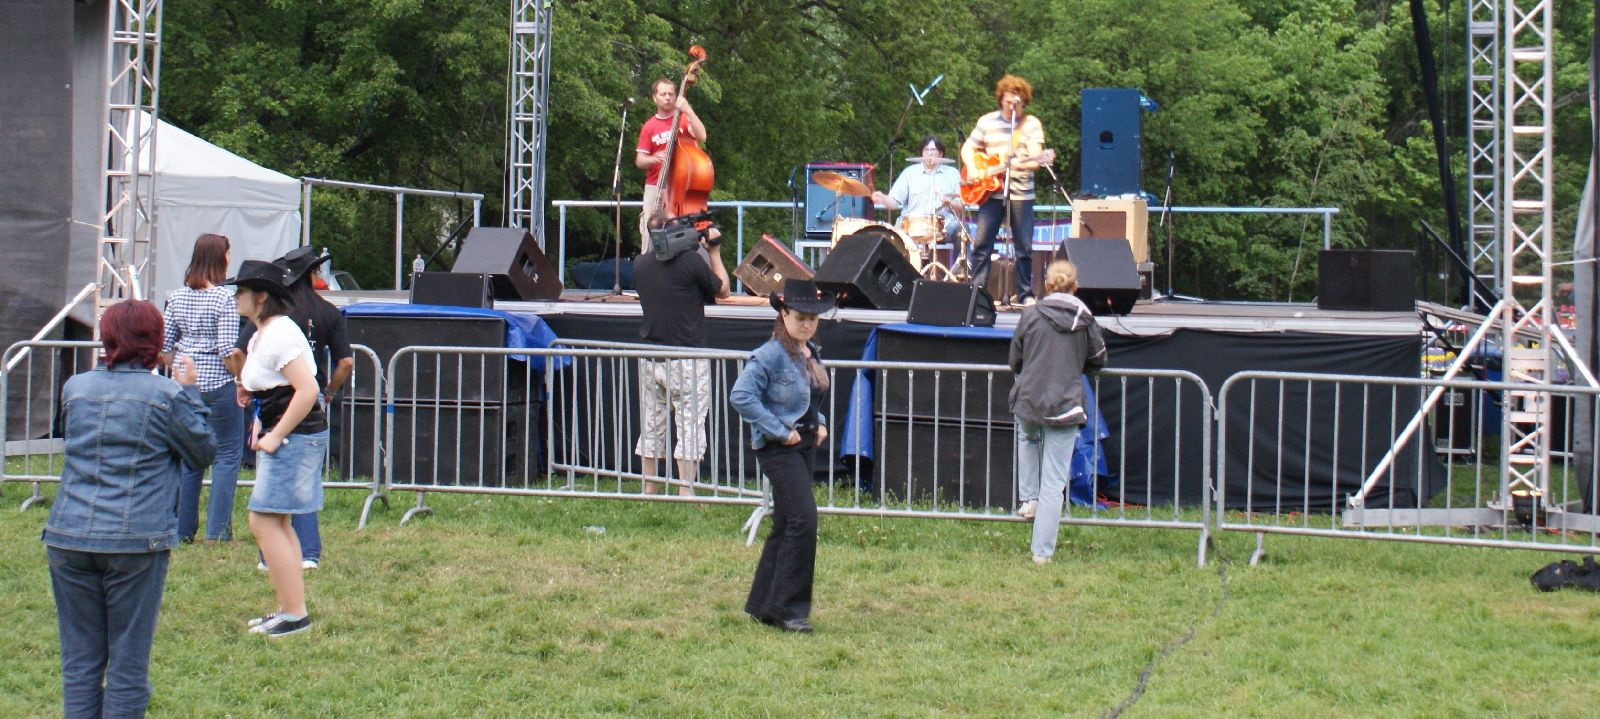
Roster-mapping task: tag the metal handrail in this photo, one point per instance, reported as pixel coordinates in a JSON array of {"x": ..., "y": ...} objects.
[{"x": 306, "y": 183}]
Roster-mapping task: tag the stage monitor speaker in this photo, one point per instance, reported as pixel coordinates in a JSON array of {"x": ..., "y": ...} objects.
[
  {"x": 819, "y": 200},
  {"x": 453, "y": 289},
  {"x": 1366, "y": 280},
  {"x": 768, "y": 265},
  {"x": 866, "y": 270},
  {"x": 950, "y": 304},
  {"x": 1127, "y": 219},
  {"x": 1111, "y": 157},
  {"x": 517, "y": 267},
  {"x": 1108, "y": 281}
]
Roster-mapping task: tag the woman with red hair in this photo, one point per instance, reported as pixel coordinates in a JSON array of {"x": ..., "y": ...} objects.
[{"x": 112, "y": 528}]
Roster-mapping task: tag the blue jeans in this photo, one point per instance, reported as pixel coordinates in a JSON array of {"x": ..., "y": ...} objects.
[
  {"x": 228, "y": 432},
  {"x": 106, "y": 606},
  {"x": 1044, "y": 458},
  {"x": 991, "y": 216}
]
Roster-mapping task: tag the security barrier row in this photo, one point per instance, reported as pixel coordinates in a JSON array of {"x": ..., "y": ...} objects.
[{"x": 1319, "y": 455}]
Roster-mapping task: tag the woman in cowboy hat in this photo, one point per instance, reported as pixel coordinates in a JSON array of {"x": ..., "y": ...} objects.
[
  {"x": 780, "y": 394},
  {"x": 290, "y": 435}
]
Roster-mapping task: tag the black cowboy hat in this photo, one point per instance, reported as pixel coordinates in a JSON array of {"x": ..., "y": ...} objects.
[
  {"x": 261, "y": 275},
  {"x": 299, "y": 261},
  {"x": 802, "y": 296}
]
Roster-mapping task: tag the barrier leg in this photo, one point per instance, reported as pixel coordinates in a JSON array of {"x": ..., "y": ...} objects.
[
  {"x": 366, "y": 507},
  {"x": 37, "y": 498},
  {"x": 414, "y": 511},
  {"x": 1205, "y": 544},
  {"x": 753, "y": 524},
  {"x": 1261, "y": 549}
]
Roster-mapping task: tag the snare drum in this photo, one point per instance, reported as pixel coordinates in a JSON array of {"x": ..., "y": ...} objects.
[
  {"x": 896, "y": 238},
  {"x": 923, "y": 229}
]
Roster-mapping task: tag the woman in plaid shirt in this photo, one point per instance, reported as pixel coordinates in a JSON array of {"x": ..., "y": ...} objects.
[{"x": 202, "y": 322}]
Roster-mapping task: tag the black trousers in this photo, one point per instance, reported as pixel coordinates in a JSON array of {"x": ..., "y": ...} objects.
[{"x": 782, "y": 587}]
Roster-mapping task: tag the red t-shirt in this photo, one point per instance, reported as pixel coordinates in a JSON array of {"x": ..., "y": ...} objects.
[{"x": 653, "y": 139}]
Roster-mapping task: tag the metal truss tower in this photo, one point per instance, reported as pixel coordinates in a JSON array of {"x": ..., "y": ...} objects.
[
  {"x": 127, "y": 151},
  {"x": 1483, "y": 148},
  {"x": 527, "y": 92}
]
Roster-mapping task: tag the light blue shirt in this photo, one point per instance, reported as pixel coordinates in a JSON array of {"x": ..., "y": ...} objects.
[{"x": 921, "y": 192}]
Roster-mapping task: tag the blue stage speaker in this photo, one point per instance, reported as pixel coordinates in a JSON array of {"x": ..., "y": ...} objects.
[
  {"x": 1112, "y": 155},
  {"x": 819, "y": 199}
]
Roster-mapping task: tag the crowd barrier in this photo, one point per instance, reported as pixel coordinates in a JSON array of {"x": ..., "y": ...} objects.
[
  {"x": 1438, "y": 484},
  {"x": 1319, "y": 455},
  {"x": 30, "y": 398}
]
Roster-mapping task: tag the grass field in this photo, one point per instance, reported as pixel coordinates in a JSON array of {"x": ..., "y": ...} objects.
[{"x": 507, "y": 606}]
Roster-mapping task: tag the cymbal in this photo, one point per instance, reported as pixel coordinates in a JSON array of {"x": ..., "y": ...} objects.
[{"x": 841, "y": 184}]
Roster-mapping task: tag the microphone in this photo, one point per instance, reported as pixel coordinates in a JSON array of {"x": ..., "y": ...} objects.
[
  {"x": 627, "y": 103},
  {"x": 932, "y": 85},
  {"x": 914, "y": 94}
]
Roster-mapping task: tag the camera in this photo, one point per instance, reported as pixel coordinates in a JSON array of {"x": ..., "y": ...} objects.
[{"x": 681, "y": 234}]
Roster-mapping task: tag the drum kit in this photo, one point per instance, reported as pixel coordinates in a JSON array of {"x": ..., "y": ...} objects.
[{"x": 915, "y": 236}]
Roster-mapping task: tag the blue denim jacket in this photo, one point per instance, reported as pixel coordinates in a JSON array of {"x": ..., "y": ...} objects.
[
  {"x": 772, "y": 393},
  {"x": 127, "y": 431}
]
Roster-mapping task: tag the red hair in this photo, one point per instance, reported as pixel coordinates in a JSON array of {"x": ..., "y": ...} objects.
[
  {"x": 131, "y": 331},
  {"x": 1012, "y": 83}
]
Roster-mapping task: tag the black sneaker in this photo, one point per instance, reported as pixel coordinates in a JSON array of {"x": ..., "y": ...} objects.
[{"x": 278, "y": 626}]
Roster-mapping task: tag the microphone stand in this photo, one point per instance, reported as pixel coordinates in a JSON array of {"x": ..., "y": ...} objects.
[
  {"x": 1166, "y": 215},
  {"x": 1011, "y": 230},
  {"x": 616, "y": 204}
]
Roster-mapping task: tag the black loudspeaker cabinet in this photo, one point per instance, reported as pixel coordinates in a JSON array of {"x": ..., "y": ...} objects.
[
  {"x": 768, "y": 265},
  {"x": 865, "y": 270},
  {"x": 970, "y": 465},
  {"x": 1366, "y": 280},
  {"x": 1108, "y": 282},
  {"x": 820, "y": 200},
  {"x": 453, "y": 289},
  {"x": 951, "y": 396},
  {"x": 950, "y": 304},
  {"x": 447, "y": 443},
  {"x": 428, "y": 376},
  {"x": 1111, "y": 155},
  {"x": 514, "y": 262}
]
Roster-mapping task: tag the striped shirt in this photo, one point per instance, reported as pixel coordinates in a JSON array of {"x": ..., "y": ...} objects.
[
  {"x": 992, "y": 135},
  {"x": 203, "y": 324}
]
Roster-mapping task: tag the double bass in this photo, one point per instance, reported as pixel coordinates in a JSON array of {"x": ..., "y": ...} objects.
[{"x": 684, "y": 184}]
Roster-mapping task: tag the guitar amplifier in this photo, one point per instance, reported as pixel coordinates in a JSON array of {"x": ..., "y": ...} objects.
[{"x": 820, "y": 200}]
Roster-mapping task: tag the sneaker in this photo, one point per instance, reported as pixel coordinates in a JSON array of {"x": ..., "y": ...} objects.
[
  {"x": 1028, "y": 301},
  {"x": 1026, "y": 511},
  {"x": 261, "y": 566},
  {"x": 278, "y": 626},
  {"x": 1040, "y": 560},
  {"x": 258, "y": 621},
  {"x": 308, "y": 564}
]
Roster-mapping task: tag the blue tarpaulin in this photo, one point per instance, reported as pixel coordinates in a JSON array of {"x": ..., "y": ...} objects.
[
  {"x": 857, "y": 436},
  {"x": 523, "y": 329}
]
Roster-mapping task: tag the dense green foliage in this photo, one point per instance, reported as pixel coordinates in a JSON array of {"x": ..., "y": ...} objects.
[{"x": 1263, "y": 103}]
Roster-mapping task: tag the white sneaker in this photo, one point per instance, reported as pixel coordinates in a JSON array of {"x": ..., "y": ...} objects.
[
  {"x": 308, "y": 564},
  {"x": 1040, "y": 560},
  {"x": 261, "y": 566},
  {"x": 1026, "y": 511}
]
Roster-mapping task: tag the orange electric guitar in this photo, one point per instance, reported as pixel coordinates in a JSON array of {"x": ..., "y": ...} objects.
[{"x": 986, "y": 173}]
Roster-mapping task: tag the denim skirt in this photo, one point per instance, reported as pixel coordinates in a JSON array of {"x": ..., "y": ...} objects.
[{"x": 289, "y": 481}]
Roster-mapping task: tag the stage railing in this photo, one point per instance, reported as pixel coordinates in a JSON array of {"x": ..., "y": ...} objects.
[
  {"x": 905, "y": 439},
  {"x": 1339, "y": 456},
  {"x": 811, "y": 250},
  {"x": 34, "y": 442}
]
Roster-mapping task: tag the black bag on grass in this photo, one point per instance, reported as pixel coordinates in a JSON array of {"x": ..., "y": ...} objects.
[{"x": 1567, "y": 573}]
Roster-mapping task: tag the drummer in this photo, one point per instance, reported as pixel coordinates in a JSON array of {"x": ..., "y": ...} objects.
[{"x": 930, "y": 187}]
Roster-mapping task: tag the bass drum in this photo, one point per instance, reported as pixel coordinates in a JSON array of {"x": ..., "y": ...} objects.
[{"x": 896, "y": 238}]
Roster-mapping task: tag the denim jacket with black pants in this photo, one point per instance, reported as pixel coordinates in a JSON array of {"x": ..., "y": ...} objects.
[
  {"x": 774, "y": 395},
  {"x": 112, "y": 525}
]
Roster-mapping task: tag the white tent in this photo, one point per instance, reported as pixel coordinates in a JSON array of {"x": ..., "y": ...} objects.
[{"x": 203, "y": 188}]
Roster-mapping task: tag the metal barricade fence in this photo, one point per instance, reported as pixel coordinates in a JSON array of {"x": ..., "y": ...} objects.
[
  {"x": 1356, "y": 457},
  {"x": 33, "y": 437},
  {"x": 905, "y": 439}
]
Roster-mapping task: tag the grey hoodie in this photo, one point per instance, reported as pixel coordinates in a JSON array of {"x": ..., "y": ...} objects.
[{"x": 1056, "y": 342}]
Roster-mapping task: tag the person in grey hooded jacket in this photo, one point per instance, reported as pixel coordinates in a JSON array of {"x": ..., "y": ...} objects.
[{"x": 1056, "y": 342}]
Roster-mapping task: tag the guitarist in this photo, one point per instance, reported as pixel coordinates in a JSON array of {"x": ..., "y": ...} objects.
[
  {"x": 652, "y": 149},
  {"x": 1013, "y": 143}
]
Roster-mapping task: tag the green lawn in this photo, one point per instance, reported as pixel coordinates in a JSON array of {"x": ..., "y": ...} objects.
[{"x": 506, "y": 606}]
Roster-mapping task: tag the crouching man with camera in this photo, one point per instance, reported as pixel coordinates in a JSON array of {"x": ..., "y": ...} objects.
[{"x": 680, "y": 274}]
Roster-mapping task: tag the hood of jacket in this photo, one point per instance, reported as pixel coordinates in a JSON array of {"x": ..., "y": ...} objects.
[{"x": 1064, "y": 312}]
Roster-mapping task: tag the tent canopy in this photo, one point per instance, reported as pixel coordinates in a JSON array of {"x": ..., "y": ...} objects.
[{"x": 202, "y": 188}]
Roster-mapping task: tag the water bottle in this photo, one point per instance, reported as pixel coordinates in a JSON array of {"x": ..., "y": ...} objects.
[{"x": 417, "y": 265}]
